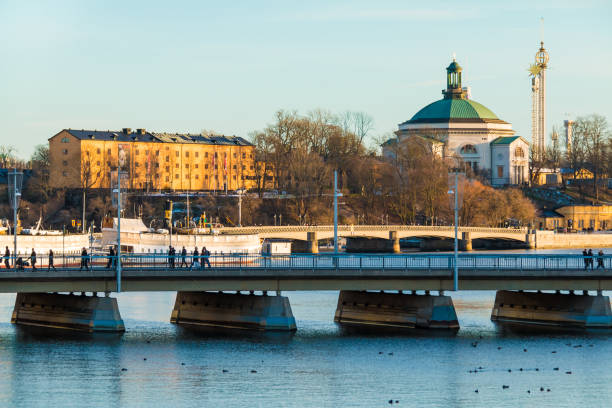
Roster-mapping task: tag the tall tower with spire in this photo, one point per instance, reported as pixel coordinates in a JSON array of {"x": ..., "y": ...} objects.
[{"x": 538, "y": 101}]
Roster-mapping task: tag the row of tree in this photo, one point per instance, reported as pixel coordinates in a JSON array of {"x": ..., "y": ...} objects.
[{"x": 590, "y": 149}]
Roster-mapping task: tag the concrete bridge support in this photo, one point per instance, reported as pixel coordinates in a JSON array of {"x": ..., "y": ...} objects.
[
  {"x": 312, "y": 243},
  {"x": 233, "y": 311},
  {"x": 552, "y": 309},
  {"x": 395, "y": 311},
  {"x": 530, "y": 241},
  {"x": 466, "y": 242},
  {"x": 72, "y": 312},
  {"x": 395, "y": 243}
]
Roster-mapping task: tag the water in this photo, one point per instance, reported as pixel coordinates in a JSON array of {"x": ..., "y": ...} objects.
[{"x": 318, "y": 366}]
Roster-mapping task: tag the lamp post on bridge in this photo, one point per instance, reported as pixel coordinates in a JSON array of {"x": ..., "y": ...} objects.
[
  {"x": 455, "y": 192},
  {"x": 335, "y": 212},
  {"x": 14, "y": 183}
]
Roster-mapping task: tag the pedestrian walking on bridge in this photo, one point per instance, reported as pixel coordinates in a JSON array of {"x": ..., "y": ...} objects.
[
  {"x": 205, "y": 255},
  {"x": 600, "y": 260},
  {"x": 50, "y": 265},
  {"x": 585, "y": 254},
  {"x": 591, "y": 258},
  {"x": 183, "y": 257},
  {"x": 111, "y": 258},
  {"x": 33, "y": 259},
  {"x": 7, "y": 258},
  {"x": 84, "y": 260}
]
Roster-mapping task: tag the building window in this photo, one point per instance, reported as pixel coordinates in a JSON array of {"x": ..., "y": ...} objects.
[
  {"x": 235, "y": 155},
  {"x": 167, "y": 158},
  {"x": 251, "y": 167},
  {"x": 65, "y": 151},
  {"x": 65, "y": 173},
  {"x": 243, "y": 167},
  {"x": 234, "y": 167},
  {"x": 137, "y": 164},
  {"x": 251, "y": 155},
  {"x": 197, "y": 154},
  {"x": 197, "y": 176},
  {"x": 186, "y": 166},
  {"x": 234, "y": 177},
  {"x": 65, "y": 163},
  {"x": 224, "y": 154},
  {"x": 205, "y": 154},
  {"x": 176, "y": 166},
  {"x": 167, "y": 168},
  {"x": 108, "y": 151},
  {"x": 206, "y": 166},
  {"x": 519, "y": 152},
  {"x": 176, "y": 176},
  {"x": 157, "y": 165},
  {"x": 215, "y": 167},
  {"x": 176, "y": 153},
  {"x": 468, "y": 149},
  {"x": 186, "y": 154},
  {"x": 157, "y": 152},
  {"x": 500, "y": 171},
  {"x": 136, "y": 175},
  {"x": 98, "y": 163},
  {"x": 197, "y": 166},
  {"x": 206, "y": 176},
  {"x": 216, "y": 154},
  {"x": 65, "y": 140},
  {"x": 98, "y": 150},
  {"x": 244, "y": 155},
  {"x": 167, "y": 178},
  {"x": 137, "y": 152}
]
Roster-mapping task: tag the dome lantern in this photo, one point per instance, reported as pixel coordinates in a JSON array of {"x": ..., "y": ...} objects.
[{"x": 453, "y": 82}]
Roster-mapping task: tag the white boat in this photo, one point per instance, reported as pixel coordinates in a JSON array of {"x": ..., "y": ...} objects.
[{"x": 137, "y": 238}]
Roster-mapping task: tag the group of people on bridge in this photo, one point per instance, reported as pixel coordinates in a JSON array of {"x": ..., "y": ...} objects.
[
  {"x": 197, "y": 260},
  {"x": 589, "y": 257}
]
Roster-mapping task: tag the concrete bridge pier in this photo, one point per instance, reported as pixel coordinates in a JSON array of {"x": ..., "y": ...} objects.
[
  {"x": 395, "y": 310},
  {"x": 233, "y": 311},
  {"x": 71, "y": 312},
  {"x": 552, "y": 309},
  {"x": 466, "y": 242},
  {"x": 395, "y": 243},
  {"x": 530, "y": 241},
  {"x": 312, "y": 244}
]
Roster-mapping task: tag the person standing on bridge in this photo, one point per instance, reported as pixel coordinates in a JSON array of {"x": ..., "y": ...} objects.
[
  {"x": 591, "y": 258},
  {"x": 205, "y": 255},
  {"x": 7, "y": 258},
  {"x": 33, "y": 259},
  {"x": 183, "y": 257},
  {"x": 585, "y": 254},
  {"x": 111, "y": 258},
  {"x": 600, "y": 260},
  {"x": 50, "y": 264},
  {"x": 83, "y": 259},
  {"x": 195, "y": 260}
]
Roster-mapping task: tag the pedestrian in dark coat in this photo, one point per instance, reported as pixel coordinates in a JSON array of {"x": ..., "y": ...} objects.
[
  {"x": 585, "y": 254},
  {"x": 7, "y": 258},
  {"x": 600, "y": 260},
  {"x": 50, "y": 265},
  {"x": 33, "y": 259},
  {"x": 591, "y": 258},
  {"x": 205, "y": 255},
  {"x": 84, "y": 260},
  {"x": 111, "y": 258},
  {"x": 184, "y": 257}
]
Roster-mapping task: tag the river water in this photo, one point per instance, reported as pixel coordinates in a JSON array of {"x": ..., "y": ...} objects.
[{"x": 158, "y": 364}]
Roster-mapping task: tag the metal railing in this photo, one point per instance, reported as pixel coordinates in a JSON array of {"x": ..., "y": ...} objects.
[
  {"x": 362, "y": 228},
  {"x": 423, "y": 262}
]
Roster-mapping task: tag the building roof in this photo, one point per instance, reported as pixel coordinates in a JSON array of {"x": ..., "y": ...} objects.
[
  {"x": 390, "y": 142},
  {"x": 454, "y": 110},
  {"x": 545, "y": 213},
  {"x": 141, "y": 135},
  {"x": 505, "y": 140}
]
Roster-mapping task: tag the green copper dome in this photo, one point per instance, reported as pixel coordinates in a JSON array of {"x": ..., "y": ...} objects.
[{"x": 450, "y": 109}]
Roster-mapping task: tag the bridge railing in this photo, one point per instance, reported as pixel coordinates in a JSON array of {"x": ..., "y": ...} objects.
[
  {"x": 362, "y": 228},
  {"x": 499, "y": 262}
]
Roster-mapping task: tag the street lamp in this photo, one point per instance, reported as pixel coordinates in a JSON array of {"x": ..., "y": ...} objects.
[
  {"x": 14, "y": 189},
  {"x": 455, "y": 192}
]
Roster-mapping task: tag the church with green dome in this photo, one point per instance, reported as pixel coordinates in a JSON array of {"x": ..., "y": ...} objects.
[{"x": 458, "y": 127}]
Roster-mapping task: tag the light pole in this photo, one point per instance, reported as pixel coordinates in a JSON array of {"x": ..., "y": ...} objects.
[
  {"x": 14, "y": 197},
  {"x": 118, "y": 229},
  {"x": 335, "y": 211},
  {"x": 456, "y": 199}
]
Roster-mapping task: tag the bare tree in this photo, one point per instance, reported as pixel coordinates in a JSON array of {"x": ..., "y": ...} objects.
[
  {"x": 90, "y": 175},
  {"x": 358, "y": 123},
  {"x": 593, "y": 133}
]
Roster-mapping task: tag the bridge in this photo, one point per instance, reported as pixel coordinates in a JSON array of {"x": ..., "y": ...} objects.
[
  {"x": 201, "y": 299},
  {"x": 393, "y": 233}
]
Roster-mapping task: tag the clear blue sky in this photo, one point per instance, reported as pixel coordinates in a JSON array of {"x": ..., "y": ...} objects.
[{"x": 228, "y": 66}]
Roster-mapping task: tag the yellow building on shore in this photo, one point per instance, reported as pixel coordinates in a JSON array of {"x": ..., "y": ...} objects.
[
  {"x": 152, "y": 161},
  {"x": 576, "y": 217}
]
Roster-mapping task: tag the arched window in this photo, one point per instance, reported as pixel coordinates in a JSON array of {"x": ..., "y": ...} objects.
[
  {"x": 519, "y": 152},
  {"x": 468, "y": 149}
]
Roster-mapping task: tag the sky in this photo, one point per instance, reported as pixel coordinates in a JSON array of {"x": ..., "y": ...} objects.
[{"x": 229, "y": 66}]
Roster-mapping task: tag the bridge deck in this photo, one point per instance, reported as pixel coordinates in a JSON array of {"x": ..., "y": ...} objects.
[{"x": 323, "y": 272}]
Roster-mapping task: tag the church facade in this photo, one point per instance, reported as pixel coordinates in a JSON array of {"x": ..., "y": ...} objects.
[{"x": 458, "y": 127}]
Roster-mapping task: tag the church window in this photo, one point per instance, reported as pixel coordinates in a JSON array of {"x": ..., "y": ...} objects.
[
  {"x": 468, "y": 149},
  {"x": 518, "y": 152}
]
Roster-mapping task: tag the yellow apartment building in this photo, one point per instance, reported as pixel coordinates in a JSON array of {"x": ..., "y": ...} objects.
[{"x": 152, "y": 161}]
